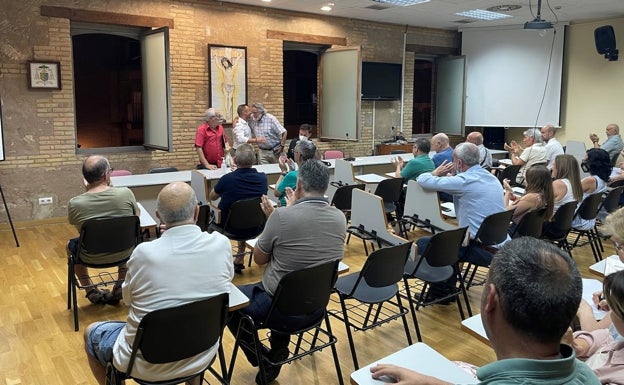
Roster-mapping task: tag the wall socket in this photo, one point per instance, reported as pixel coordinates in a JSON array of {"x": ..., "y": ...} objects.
[{"x": 45, "y": 201}]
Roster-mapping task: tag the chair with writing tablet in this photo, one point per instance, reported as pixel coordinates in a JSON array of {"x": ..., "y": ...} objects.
[
  {"x": 588, "y": 210},
  {"x": 556, "y": 231}
]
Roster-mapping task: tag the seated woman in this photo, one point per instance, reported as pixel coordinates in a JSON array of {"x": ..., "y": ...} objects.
[
  {"x": 538, "y": 195},
  {"x": 567, "y": 184},
  {"x": 598, "y": 164},
  {"x": 599, "y": 348}
]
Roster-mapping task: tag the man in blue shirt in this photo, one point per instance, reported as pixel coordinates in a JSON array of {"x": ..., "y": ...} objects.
[
  {"x": 243, "y": 183},
  {"x": 444, "y": 152}
]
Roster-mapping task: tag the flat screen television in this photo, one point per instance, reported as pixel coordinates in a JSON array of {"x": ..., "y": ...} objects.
[{"x": 381, "y": 81}]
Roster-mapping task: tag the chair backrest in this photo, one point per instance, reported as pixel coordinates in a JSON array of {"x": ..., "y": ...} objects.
[
  {"x": 343, "y": 196},
  {"x": 177, "y": 333},
  {"x": 425, "y": 204},
  {"x": 562, "y": 219},
  {"x": 443, "y": 247},
  {"x": 333, "y": 154},
  {"x": 203, "y": 219},
  {"x": 510, "y": 172},
  {"x": 305, "y": 291},
  {"x": 531, "y": 224},
  {"x": 162, "y": 169},
  {"x": 120, "y": 173},
  {"x": 612, "y": 200},
  {"x": 390, "y": 189},
  {"x": 245, "y": 214},
  {"x": 493, "y": 229},
  {"x": 588, "y": 209},
  {"x": 109, "y": 235},
  {"x": 384, "y": 267}
]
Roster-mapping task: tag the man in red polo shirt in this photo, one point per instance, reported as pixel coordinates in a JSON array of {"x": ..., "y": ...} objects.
[{"x": 211, "y": 141}]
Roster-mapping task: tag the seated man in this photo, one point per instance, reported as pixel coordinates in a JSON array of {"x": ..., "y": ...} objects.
[
  {"x": 305, "y": 133},
  {"x": 529, "y": 300},
  {"x": 99, "y": 200},
  {"x": 533, "y": 153},
  {"x": 411, "y": 170},
  {"x": 292, "y": 239},
  {"x": 303, "y": 151},
  {"x": 485, "y": 156},
  {"x": 182, "y": 266},
  {"x": 243, "y": 183}
]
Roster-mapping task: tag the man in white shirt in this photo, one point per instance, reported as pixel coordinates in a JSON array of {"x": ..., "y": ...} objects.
[
  {"x": 552, "y": 146},
  {"x": 533, "y": 153},
  {"x": 242, "y": 131}
]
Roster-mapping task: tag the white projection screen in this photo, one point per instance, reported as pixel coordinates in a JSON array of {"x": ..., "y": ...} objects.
[{"x": 509, "y": 70}]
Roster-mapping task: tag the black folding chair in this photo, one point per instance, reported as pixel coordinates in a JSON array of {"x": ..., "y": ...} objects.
[
  {"x": 174, "y": 334},
  {"x": 530, "y": 225},
  {"x": 588, "y": 210},
  {"x": 437, "y": 263},
  {"x": 101, "y": 237},
  {"x": 342, "y": 198},
  {"x": 369, "y": 290},
  {"x": 556, "y": 231},
  {"x": 299, "y": 293}
]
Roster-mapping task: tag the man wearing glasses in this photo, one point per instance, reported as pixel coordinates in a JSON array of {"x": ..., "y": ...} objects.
[
  {"x": 419, "y": 164},
  {"x": 211, "y": 141},
  {"x": 267, "y": 126}
]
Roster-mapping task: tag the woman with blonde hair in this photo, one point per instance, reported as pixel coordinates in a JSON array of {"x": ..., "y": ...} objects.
[
  {"x": 538, "y": 195},
  {"x": 567, "y": 184}
]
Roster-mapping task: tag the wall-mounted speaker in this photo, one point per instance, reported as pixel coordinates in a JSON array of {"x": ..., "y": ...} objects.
[{"x": 604, "y": 38}]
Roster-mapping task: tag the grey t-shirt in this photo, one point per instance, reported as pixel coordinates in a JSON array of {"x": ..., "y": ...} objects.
[{"x": 298, "y": 236}]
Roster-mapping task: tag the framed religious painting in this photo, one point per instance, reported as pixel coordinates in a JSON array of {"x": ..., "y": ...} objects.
[
  {"x": 227, "y": 67},
  {"x": 44, "y": 75}
]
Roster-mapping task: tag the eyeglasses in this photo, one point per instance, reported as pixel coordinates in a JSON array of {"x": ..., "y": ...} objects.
[{"x": 618, "y": 247}]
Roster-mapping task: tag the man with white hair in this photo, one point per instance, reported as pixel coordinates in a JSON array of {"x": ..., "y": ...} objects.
[
  {"x": 444, "y": 152},
  {"x": 267, "y": 126},
  {"x": 552, "y": 146},
  {"x": 211, "y": 141},
  {"x": 533, "y": 153},
  {"x": 613, "y": 145}
]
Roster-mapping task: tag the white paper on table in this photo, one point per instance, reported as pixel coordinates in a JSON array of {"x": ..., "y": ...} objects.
[
  {"x": 590, "y": 286},
  {"x": 613, "y": 264}
]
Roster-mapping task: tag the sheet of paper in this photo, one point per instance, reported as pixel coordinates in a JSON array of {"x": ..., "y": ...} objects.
[
  {"x": 613, "y": 264},
  {"x": 590, "y": 286}
]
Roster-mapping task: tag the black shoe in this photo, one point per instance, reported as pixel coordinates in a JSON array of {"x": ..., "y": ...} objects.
[
  {"x": 431, "y": 297},
  {"x": 251, "y": 357},
  {"x": 272, "y": 371},
  {"x": 239, "y": 267}
]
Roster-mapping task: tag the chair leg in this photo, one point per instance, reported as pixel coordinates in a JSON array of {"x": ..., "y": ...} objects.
[
  {"x": 410, "y": 301},
  {"x": 334, "y": 351},
  {"x": 404, "y": 318},
  {"x": 349, "y": 334}
]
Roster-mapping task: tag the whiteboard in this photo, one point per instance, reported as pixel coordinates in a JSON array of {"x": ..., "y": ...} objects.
[{"x": 507, "y": 71}]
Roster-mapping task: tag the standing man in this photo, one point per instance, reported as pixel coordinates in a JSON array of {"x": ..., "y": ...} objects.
[
  {"x": 211, "y": 141},
  {"x": 613, "y": 145},
  {"x": 182, "y": 266},
  {"x": 444, "y": 152},
  {"x": 99, "y": 200},
  {"x": 553, "y": 147},
  {"x": 419, "y": 164},
  {"x": 531, "y": 295},
  {"x": 243, "y": 183},
  {"x": 533, "y": 153},
  {"x": 290, "y": 241},
  {"x": 242, "y": 131},
  {"x": 266, "y": 125},
  {"x": 485, "y": 156}
]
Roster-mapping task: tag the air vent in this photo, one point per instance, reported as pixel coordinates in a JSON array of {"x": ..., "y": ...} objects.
[
  {"x": 464, "y": 21},
  {"x": 378, "y": 7}
]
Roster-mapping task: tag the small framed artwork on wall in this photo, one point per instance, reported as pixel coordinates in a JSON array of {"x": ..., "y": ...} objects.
[
  {"x": 44, "y": 75},
  {"x": 227, "y": 67}
]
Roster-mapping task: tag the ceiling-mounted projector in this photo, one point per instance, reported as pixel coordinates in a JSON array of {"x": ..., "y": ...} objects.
[{"x": 538, "y": 23}]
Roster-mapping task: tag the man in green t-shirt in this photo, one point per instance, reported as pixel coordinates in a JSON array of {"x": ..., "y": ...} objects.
[{"x": 419, "y": 164}]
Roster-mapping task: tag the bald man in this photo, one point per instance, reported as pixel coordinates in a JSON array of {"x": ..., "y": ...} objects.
[
  {"x": 184, "y": 265},
  {"x": 485, "y": 156},
  {"x": 613, "y": 145},
  {"x": 552, "y": 146},
  {"x": 444, "y": 152}
]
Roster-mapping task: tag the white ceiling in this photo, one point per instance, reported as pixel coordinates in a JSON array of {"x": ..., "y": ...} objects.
[{"x": 441, "y": 13}]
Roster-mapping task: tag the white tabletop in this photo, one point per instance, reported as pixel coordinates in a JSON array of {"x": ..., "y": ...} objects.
[
  {"x": 505, "y": 161},
  {"x": 151, "y": 179},
  {"x": 497, "y": 152},
  {"x": 607, "y": 266},
  {"x": 237, "y": 299},
  {"x": 474, "y": 326},
  {"x": 145, "y": 218},
  {"x": 370, "y": 178},
  {"x": 448, "y": 209},
  {"x": 421, "y": 358}
]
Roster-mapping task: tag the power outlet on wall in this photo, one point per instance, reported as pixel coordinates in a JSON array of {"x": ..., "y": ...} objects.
[{"x": 45, "y": 201}]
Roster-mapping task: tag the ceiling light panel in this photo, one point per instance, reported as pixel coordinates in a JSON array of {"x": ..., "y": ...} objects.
[
  {"x": 402, "y": 3},
  {"x": 483, "y": 15}
]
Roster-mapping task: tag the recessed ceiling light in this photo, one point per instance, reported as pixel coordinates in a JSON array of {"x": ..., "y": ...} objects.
[
  {"x": 327, "y": 7},
  {"x": 266, "y": 1},
  {"x": 504, "y": 8},
  {"x": 402, "y": 3},
  {"x": 483, "y": 15}
]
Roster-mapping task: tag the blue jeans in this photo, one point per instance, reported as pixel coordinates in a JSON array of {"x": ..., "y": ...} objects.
[{"x": 101, "y": 339}]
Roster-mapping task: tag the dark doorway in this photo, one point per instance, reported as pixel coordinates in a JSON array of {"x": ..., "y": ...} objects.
[
  {"x": 300, "y": 90},
  {"x": 423, "y": 82},
  {"x": 108, "y": 90}
]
